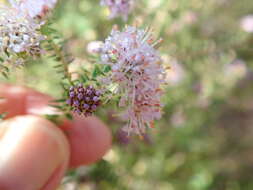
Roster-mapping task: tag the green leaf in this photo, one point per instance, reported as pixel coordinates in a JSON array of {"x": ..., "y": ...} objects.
[
  {"x": 85, "y": 76},
  {"x": 59, "y": 100},
  {"x": 83, "y": 79},
  {"x": 69, "y": 116},
  {"x": 106, "y": 68},
  {"x": 57, "y": 58},
  {"x": 57, "y": 107},
  {"x": 2, "y": 116},
  {"x": 7, "y": 53},
  {"x": 57, "y": 66},
  {"x": 96, "y": 72},
  {"x": 5, "y": 75}
]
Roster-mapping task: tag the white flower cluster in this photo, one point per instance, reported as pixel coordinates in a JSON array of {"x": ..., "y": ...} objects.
[
  {"x": 19, "y": 34},
  {"x": 34, "y": 8},
  {"x": 137, "y": 73}
]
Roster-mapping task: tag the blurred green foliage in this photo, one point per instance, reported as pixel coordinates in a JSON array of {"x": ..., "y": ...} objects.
[{"x": 204, "y": 141}]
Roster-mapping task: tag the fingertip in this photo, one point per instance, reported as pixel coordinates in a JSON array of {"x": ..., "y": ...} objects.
[
  {"x": 12, "y": 100},
  {"x": 35, "y": 147},
  {"x": 19, "y": 100},
  {"x": 89, "y": 140},
  {"x": 38, "y": 103}
]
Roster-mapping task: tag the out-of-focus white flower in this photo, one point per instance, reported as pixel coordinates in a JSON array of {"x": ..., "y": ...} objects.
[
  {"x": 176, "y": 73},
  {"x": 118, "y": 7},
  {"x": 94, "y": 47},
  {"x": 178, "y": 118},
  {"x": 189, "y": 17},
  {"x": 246, "y": 23},
  {"x": 137, "y": 74},
  {"x": 34, "y": 8},
  {"x": 19, "y": 33}
]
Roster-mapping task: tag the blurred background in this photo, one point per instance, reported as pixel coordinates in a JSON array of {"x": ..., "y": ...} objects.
[{"x": 205, "y": 138}]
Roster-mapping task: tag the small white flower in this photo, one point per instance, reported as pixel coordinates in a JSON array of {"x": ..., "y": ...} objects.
[{"x": 94, "y": 47}]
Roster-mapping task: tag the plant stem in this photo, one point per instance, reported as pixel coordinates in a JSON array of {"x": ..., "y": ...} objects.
[{"x": 65, "y": 63}]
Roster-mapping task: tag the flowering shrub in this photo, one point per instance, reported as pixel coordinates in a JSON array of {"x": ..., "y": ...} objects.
[
  {"x": 130, "y": 65},
  {"x": 201, "y": 107}
]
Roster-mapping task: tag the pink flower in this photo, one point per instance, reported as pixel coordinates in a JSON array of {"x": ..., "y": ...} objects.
[
  {"x": 137, "y": 75},
  {"x": 118, "y": 7}
]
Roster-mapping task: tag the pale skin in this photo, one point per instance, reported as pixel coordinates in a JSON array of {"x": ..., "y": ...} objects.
[{"x": 34, "y": 152}]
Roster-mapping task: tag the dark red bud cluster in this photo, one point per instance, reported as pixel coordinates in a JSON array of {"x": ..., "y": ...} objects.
[{"x": 84, "y": 100}]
